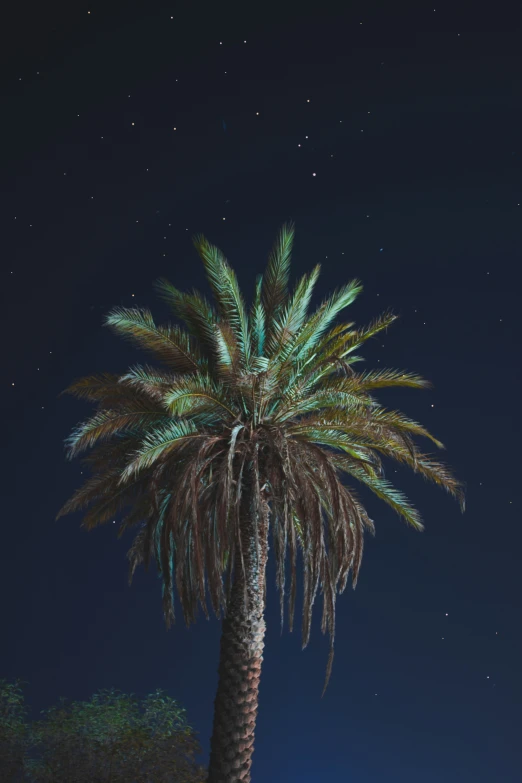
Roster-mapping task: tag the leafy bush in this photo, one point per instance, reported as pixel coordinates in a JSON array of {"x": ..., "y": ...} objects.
[{"x": 113, "y": 738}]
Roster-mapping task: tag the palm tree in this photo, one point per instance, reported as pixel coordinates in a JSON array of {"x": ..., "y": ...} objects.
[{"x": 251, "y": 424}]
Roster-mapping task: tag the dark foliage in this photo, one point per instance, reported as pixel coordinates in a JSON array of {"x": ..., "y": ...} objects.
[{"x": 113, "y": 738}]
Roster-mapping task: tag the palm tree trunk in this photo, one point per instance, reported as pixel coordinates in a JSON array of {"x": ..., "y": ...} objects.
[{"x": 241, "y": 656}]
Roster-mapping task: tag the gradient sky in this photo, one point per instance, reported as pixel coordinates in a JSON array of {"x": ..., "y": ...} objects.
[{"x": 128, "y": 128}]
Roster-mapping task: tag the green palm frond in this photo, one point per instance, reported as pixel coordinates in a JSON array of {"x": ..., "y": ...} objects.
[
  {"x": 117, "y": 497},
  {"x": 381, "y": 379},
  {"x": 225, "y": 287},
  {"x": 152, "y": 382},
  {"x": 384, "y": 490},
  {"x": 296, "y": 404},
  {"x": 214, "y": 262},
  {"x": 95, "y": 387},
  {"x": 235, "y": 313},
  {"x": 91, "y": 489},
  {"x": 324, "y": 316},
  {"x": 227, "y": 353},
  {"x": 426, "y": 466},
  {"x": 277, "y": 273},
  {"x": 187, "y": 394},
  {"x": 331, "y": 342},
  {"x": 306, "y": 369},
  {"x": 292, "y": 316},
  {"x": 380, "y": 417},
  {"x": 193, "y": 309},
  {"x": 439, "y": 474},
  {"x": 169, "y": 343},
  {"x": 104, "y": 496},
  {"x": 258, "y": 321},
  {"x": 374, "y": 421},
  {"x": 159, "y": 445},
  {"x": 360, "y": 336},
  {"x": 107, "y": 423}
]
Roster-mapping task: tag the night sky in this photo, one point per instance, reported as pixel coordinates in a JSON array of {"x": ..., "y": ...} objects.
[{"x": 392, "y": 135}]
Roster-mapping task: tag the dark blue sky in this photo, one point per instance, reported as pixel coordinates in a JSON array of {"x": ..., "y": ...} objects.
[{"x": 411, "y": 122}]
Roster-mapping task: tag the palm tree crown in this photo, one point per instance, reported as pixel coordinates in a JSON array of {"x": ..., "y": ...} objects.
[{"x": 265, "y": 397}]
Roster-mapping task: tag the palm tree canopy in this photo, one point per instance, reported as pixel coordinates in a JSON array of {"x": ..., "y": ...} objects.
[{"x": 267, "y": 395}]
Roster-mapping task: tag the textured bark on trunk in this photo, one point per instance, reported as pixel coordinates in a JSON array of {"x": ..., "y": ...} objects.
[{"x": 241, "y": 656}]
